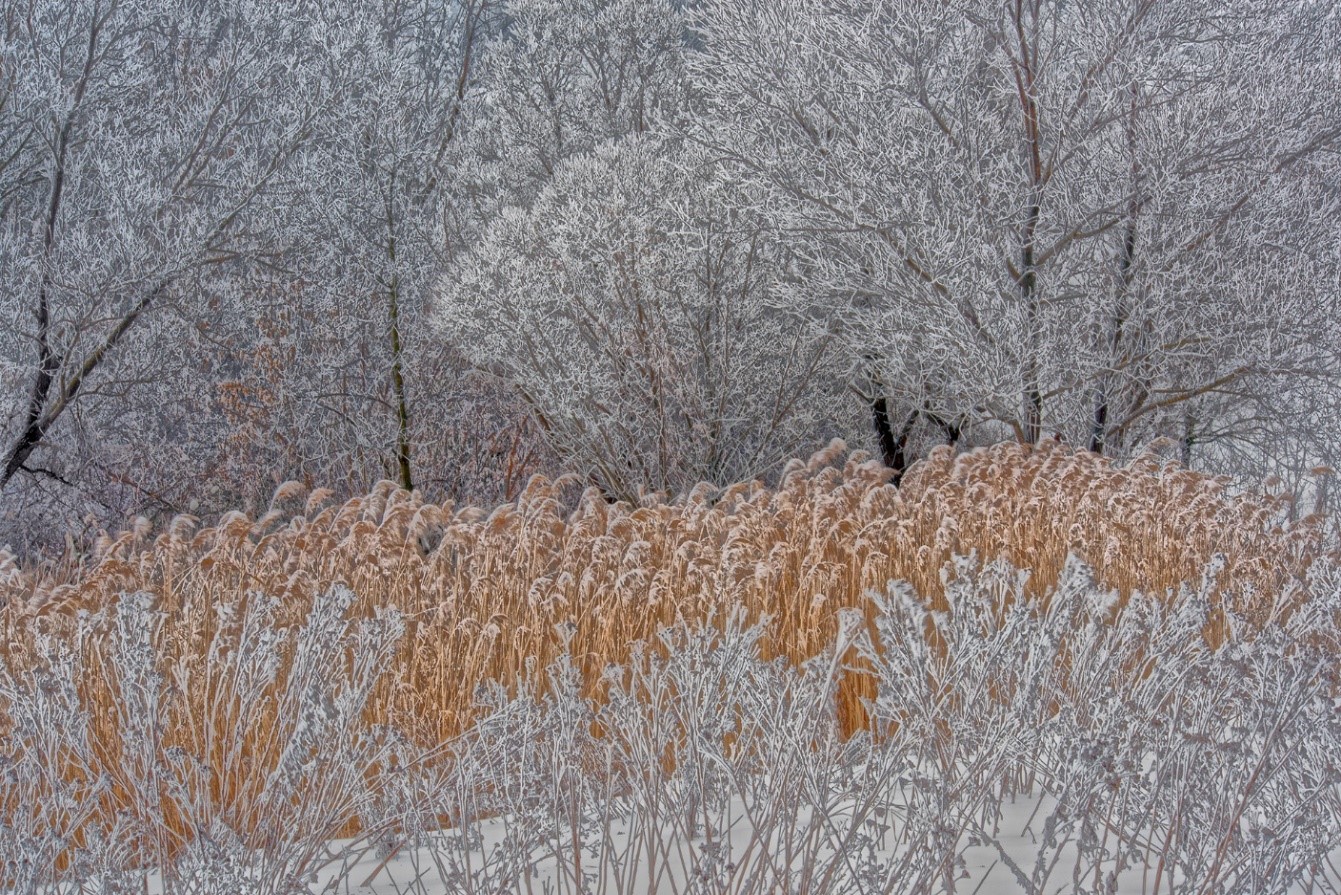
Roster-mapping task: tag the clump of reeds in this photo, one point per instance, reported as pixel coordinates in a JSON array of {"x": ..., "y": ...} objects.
[{"x": 484, "y": 595}]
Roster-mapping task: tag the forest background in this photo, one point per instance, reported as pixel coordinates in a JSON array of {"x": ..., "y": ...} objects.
[{"x": 451, "y": 243}]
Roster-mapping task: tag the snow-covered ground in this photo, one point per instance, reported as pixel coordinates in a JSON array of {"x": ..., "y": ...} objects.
[
  {"x": 987, "y": 868},
  {"x": 983, "y": 870}
]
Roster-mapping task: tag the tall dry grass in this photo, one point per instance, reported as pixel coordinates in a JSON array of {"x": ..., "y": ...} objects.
[{"x": 487, "y": 595}]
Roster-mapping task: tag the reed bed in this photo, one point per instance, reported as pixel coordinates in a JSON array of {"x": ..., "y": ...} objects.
[
  {"x": 484, "y": 591},
  {"x": 491, "y": 596}
]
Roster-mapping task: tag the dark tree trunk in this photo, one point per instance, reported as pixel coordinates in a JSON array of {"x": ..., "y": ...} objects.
[
  {"x": 893, "y": 445},
  {"x": 404, "y": 476},
  {"x": 1099, "y": 428},
  {"x": 953, "y": 430}
]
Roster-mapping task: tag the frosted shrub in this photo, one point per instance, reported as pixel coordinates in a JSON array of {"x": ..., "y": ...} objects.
[
  {"x": 704, "y": 768},
  {"x": 1156, "y": 762},
  {"x": 49, "y": 786},
  {"x": 226, "y": 775}
]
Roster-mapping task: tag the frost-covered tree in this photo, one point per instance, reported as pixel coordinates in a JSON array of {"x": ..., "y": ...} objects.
[
  {"x": 1114, "y": 221},
  {"x": 631, "y": 308},
  {"x": 562, "y": 77},
  {"x": 143, "y": 146},
  {"x": 642, "y": 388},
  {"x": 382, "y": 216},
  {"x": 338, "y": 380},
  {"x": 220, "y": 225}
]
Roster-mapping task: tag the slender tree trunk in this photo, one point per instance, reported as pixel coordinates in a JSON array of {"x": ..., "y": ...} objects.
[
  {"x": 47, "y": 362},
  {"x": 1025, "y": 67},
  {"x": 36, "y": 418},
  {"x": 404, "y": 476},
  {"x": 1099, "y": 425},
  {"x": 1028, "y": 284},
  {"x": 1185, "y": 443},
  {"x": 1121, "y": 310},
  {"x": 474, "y": 20}
]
